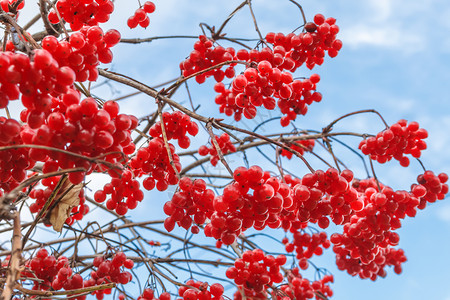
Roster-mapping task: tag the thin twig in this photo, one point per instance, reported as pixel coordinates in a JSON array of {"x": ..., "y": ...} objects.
[{"x": 219, "y": 151}]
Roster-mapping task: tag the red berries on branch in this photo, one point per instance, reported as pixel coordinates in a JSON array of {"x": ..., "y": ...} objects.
[
  {"x": 399, "y": 139},
  {"x": 193, "y": 202},
  {"x": 176, "y": 126},
  {"x": 140, "y": 16},
  {"x": 84, "y": 50},
  {"x": 268, "y": 75},
  {"x": 79, "y": 13},
  {"x": 201, "y": 290},
  {"x": 205, "y": 56},
  {"x": 300, "y": 146},
  {"x": 256, "y": 271},
  {"x": 306, "y": 245},
  {"x": 302, "y": 288},
  {"x": 365, "y": 247},
  {"x": 225, "y": 145}
]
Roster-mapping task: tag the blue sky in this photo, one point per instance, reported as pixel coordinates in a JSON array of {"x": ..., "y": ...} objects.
[{"x": 396, "y": 59}]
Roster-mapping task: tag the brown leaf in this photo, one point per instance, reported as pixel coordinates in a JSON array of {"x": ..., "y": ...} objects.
[{"x": 61, "y": 211}]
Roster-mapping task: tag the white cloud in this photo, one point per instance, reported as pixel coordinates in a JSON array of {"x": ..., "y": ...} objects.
[
  {"x": 382, "y": 26},
  {"x": 383, "y": 9},
  {"x": 444, "y": 214},
  {"x": 381, "y": 36}
]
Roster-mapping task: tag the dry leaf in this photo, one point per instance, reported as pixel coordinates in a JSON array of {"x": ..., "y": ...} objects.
[{"x": 61, "y": 211}]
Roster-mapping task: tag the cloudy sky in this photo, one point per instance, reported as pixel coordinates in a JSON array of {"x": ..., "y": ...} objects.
[{"x": 395, "y": 59}]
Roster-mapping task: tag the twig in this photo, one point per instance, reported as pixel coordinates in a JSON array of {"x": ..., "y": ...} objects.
[
  {"x": 219, "y": 31},
  {"x": 183, "y": 79},
  {"x": 249, "y": 3},
  {"x": 150, "y": 39},
  {"x": 44, "y": 13},
  {"x": 330, "y": 126},
  {"x": 89, "y": 289},
  {"x": 219, "y": 151},
  {"x": 13, "y": 271},
  {"x": 301, "y": 10}
]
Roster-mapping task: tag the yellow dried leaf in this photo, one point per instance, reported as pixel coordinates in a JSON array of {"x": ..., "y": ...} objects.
[{"x": 61, "y": 211}]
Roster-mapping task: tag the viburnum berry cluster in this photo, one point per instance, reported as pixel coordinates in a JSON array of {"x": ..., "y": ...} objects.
[
  {"x": 155, "y": 162},
  {"x": 205, "y": 56},
  {"x": 365, "y": 247},
  {"x": 300, "y": 146},
  {"x": 79, "y": 127},
  {"x": 399, "y": 139},
  {"x": 110, "y": 270},
  {"x": 306, "y": 245},
  {"x": 255, "y": 271},
  {"x": 80, "y": 13},
  {"x": 176, "y": 126},
  {"x": 225, "y": 145},
  {"x": 54, "y": 273},
  {"x": 140, "y": 16},
  {"x": 268, "y": 75},
  {"x": 193, "y": 202},
  {"x": 83, "y": 52},
  {"x": 47, "y": 267},
  {"x": 125, "y": 193},
  {"x": 201, "y": 290},
  {"x": 302, "y": 288}
]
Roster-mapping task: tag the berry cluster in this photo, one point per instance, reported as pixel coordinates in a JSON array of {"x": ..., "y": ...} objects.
[
  {"x": 200, "y": 291},
  {"x": 302, "y": 288},
  {"x": 321, "y": 194},
  {"x": 396, "y": 141},
  {"x": 430, "y": 188},
  {"x": 204, "y": 56},
  {"x": 176, "y": 126},
  {"x": 193, "y": 200},
  {"x": 306, "y": 245},
  {"x": 83, "y": 52},
  {"x": 154, "y": 161},
  {"x": 80, "y": 13},
  {"x": 269, "y": 72},
  {"x": 47, "y": 267},
  {"x": 35, "y": 78},
  {"x": 109, "y": 270},
  {"x": 56, "y": 274},
  {"x": 237, "y": 210},
  {"x": 309, "y": 47},
  {"x": 300, "y": 146},
  {"x": 256, "y": 270},
  {"x": 364, "y": 247},
  {"x": 79, "y": 127},
  {"x": 225, "y": 145},
  {"x": 119, "y": 189},
  {"x": 140, "y": 16},
  {"x": 14, "y": 162},
  {"x": 386, "y": 256}
]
